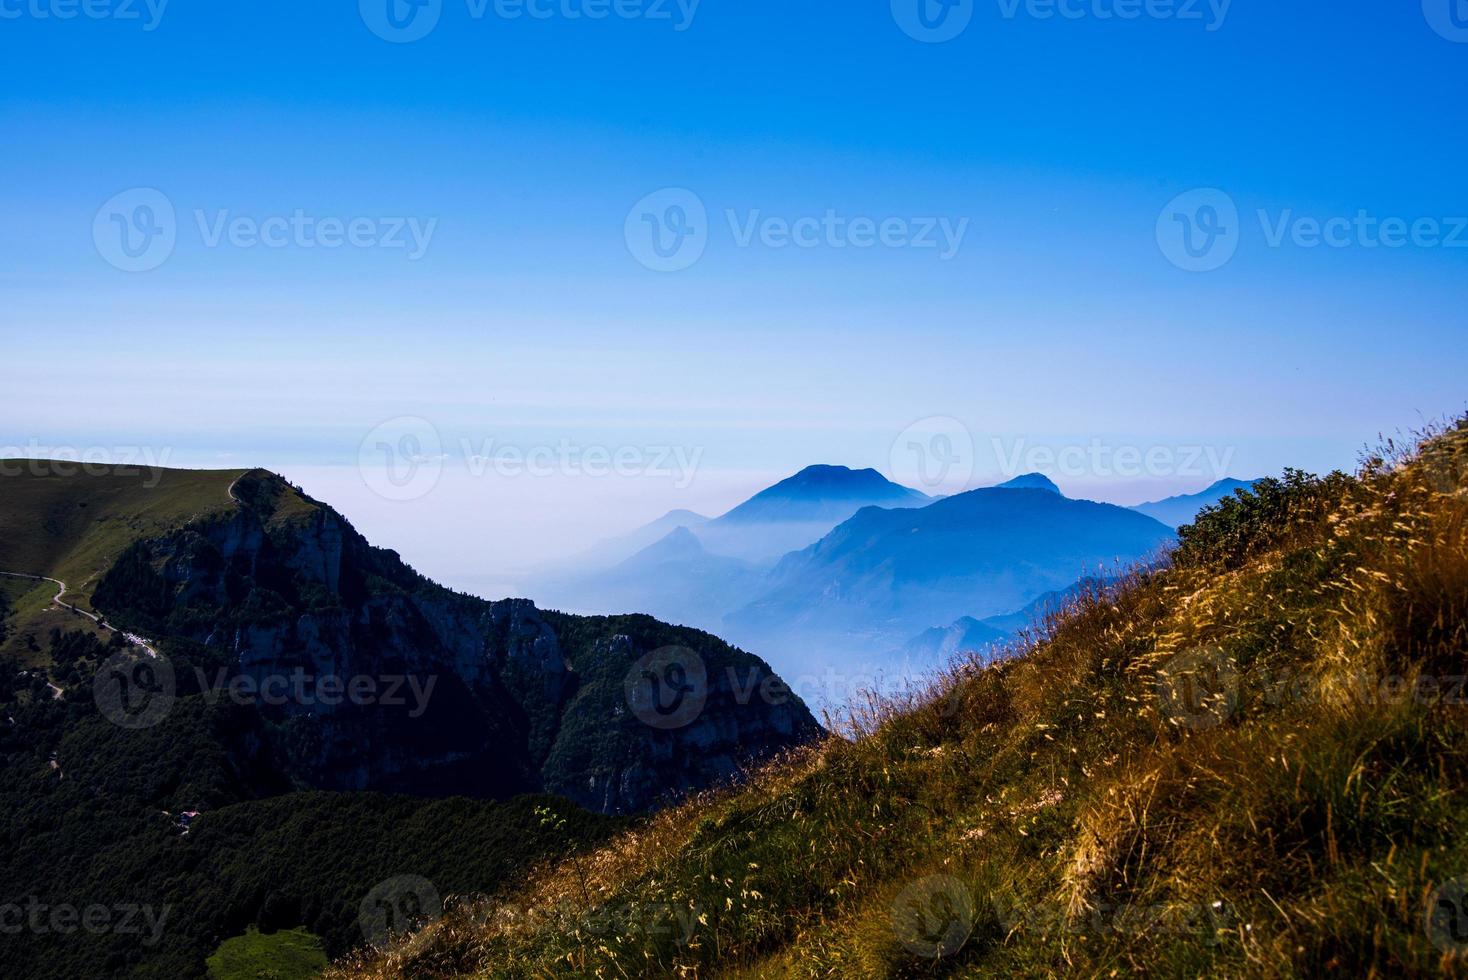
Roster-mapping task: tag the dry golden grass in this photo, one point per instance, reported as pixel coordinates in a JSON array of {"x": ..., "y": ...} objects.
[{"x": 1251, "y": 763}]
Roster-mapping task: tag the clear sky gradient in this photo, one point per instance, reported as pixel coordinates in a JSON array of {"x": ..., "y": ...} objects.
[{"x": 1062, "y": 319}]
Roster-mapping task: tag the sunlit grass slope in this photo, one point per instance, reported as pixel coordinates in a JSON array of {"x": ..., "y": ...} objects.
[
  {"x": 70, "y": 521},
  {"x": 1251, "y": 763},
  {"x": 292, "y": 954}
]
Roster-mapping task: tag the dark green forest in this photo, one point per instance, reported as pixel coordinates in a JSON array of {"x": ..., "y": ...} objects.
[{"x": 106, "y": 829}]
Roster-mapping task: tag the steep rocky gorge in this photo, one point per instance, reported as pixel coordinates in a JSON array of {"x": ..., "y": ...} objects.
[{"x": 283, "y": 604}]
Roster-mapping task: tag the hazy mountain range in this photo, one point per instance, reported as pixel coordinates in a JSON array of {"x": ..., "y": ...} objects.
[
  {"x": 1180, "y": 510},
  {"x": 835, "y": 565}
]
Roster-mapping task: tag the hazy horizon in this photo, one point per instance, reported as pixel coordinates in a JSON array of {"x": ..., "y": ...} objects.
[
  {"x": 253, "y": 235},
  {"x": 484, "y": 524}
]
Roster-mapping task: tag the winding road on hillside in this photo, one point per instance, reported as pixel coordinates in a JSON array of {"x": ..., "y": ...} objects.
[
  {"x": 58, "y": 600},
  {"x": 132, "y": 638}
]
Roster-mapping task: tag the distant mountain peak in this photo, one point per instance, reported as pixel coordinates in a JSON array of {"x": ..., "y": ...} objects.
[
  {"x": 1183, "y": 508},
  {"x": 815, "y": 490},
  {"x": 825, "y": 478},
  {"x": 1030, "y": 481},
  {"x": 799, "y": 510},
  {"x": 680, "y": 544},
  {"x": 681, "y": 517}
]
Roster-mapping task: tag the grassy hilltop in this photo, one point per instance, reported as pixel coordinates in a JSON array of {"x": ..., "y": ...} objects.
[
  {"x": 70, "y": 521},
  {"x": 1251, "y": 763}
]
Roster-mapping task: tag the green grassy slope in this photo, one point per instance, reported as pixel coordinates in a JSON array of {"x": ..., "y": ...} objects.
[
  {"x": 70, "y": 522},
  {"x": 1252, "y": 763},
  {"x": 29, "y": 615},
  {"x": 291, "y": 954}
]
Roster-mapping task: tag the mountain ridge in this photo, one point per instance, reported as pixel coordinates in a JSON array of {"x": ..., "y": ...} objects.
[
  {"x": 1183, "y": 508},
  {"x": 980, "y": 553},
  {"x": 266, "y": 581}
]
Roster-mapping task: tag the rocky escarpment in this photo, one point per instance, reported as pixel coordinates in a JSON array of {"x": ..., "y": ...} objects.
[
  {"x": 660, "y": 712},
  {"x": 373, "y": 677}
]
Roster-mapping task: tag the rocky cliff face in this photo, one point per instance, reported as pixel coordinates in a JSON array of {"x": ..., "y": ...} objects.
[
  {"x": 372, "y": 677},
  {"x": 655, "y": 719}
]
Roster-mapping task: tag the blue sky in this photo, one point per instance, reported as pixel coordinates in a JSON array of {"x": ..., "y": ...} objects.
[{"x": 1061, "y": 319}]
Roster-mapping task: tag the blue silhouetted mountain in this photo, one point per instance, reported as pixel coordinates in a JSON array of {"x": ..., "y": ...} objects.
[
  {"x": 613, "y": 551},
  {"x": 1030, "y": 481},
  {"x": 939, "y": 645},
  {"x": 675, "y": 577},
  {"x": 823, "y": 493},
  {"x": 693, "y": 570},
  {"x": 886, "y": 574},
  {"x": 1182, "y": 509},
  {"x": 1035, "y": 613},
  {"x": 798, "y": 511}
]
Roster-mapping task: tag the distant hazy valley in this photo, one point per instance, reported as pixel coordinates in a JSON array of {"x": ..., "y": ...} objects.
[{"x": 841, "y": 568}]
